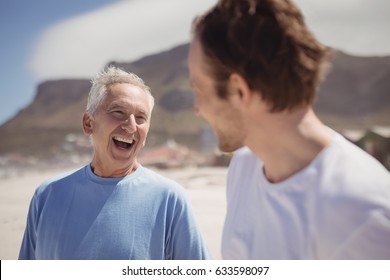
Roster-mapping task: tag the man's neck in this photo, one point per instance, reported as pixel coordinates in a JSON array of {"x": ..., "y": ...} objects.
[
  {"x": 287, "y": 142},
  {"x": 108, "y": 171}
]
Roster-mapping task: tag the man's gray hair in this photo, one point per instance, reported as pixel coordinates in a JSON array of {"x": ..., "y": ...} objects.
[{"x": 112, "y": 75}]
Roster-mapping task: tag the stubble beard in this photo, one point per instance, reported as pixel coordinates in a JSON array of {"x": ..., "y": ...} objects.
[
  {"x": 231, "y": 132},
  {"x": 229, "y": 147},
  {"x": 229, "y": 143}
]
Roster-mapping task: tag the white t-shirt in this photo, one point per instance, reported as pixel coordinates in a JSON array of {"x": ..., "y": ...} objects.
[{"x": 338, "y": 207}]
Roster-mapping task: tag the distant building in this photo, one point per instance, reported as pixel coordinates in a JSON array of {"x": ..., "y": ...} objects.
[
  {"x": 170, "y": 155},
  {"x": 375, "y": 141},
  {"x": 354, "y": 135}
]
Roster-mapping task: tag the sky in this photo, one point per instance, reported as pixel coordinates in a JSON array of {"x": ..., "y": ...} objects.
[{"x": 43, "y": 40}]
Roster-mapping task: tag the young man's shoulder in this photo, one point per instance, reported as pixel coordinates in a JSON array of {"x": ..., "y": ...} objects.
[
  {"x": 345, "y": 158},
  {"x": 347, "y": 175}
]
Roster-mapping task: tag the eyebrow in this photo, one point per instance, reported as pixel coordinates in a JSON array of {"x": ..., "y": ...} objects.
[{"x": 117, "y": 105}]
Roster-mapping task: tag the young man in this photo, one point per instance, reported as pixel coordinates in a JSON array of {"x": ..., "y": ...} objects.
[
  {"x": 296, "y": 188},
  {"x": 113, "y": 208}
]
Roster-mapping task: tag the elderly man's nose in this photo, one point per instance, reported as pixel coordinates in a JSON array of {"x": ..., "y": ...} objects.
[{"x": 129, "y": 124}]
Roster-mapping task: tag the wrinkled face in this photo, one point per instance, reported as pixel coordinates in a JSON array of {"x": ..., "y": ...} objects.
[
  {"x": 119, "y": 128},
  {"x": 219, "y": 113}
]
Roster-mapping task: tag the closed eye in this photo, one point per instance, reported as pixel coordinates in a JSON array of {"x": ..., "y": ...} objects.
[{"x": 141, "y": 119}]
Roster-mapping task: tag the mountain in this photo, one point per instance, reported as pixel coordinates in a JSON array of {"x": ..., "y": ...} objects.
[
  {"x": 40, "y": 127},
  {"x": 355, "y": 94}
]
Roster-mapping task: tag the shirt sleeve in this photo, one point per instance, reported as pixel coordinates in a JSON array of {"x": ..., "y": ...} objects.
[
  {"x": 184, "y": 239},
  {"x": 27, "y": 250}
]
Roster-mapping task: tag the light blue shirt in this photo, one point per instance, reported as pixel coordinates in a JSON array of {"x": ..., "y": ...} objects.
[{"x": 83, "y": 216}]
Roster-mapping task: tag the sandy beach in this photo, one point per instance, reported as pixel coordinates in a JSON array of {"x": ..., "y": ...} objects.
[{"x": 205, "y": 188}]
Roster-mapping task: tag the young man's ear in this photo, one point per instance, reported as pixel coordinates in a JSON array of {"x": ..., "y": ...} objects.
[
  {"x": 87, "y": 123},
  {"x": 239, "y": 90}
]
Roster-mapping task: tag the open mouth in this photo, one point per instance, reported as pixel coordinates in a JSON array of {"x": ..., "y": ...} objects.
[{"x": 123, "y": 143}]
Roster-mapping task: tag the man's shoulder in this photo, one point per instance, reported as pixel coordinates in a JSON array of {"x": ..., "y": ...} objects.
[
  {"x": 351, "y": 176},
  {"x": 59, "y": 179},
  {"x": 155, "y": 175},
  {"x": 347, "y": 160},
  {"x": 155, "y": 179}
]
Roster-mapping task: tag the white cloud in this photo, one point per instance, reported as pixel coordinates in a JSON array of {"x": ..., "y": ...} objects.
[
  {"x": 80, "y": 46},
  {"x": 359, "y": 27}
]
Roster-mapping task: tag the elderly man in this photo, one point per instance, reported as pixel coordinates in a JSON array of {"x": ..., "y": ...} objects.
[
  {"x": 296, "y": 189},
  {"x": 113, "y": 208}
]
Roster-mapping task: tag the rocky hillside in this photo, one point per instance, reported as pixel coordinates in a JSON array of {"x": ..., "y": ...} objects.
[{"x": 356, "y": 94}]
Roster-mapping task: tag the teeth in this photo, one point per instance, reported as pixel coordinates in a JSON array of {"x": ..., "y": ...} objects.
[{"x": 130, "y": 141}]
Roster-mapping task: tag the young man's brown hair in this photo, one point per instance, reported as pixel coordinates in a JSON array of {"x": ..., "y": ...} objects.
[{"x": 268, "y": 44}]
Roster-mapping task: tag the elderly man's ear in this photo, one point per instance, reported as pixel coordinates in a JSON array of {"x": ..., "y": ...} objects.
[{"x": 87, "y": 124}]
